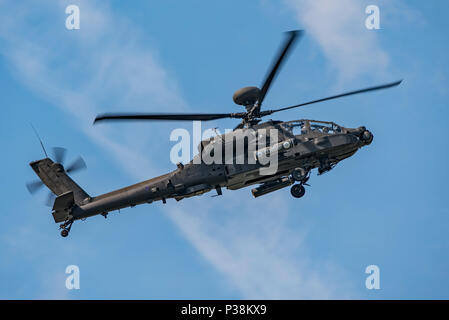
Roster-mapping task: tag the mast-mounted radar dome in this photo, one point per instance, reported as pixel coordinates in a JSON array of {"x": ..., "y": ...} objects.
[{"x": 246, "y": 96}]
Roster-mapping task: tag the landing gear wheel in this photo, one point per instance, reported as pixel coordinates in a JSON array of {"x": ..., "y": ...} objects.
[
  {"x": 66, "y": 228},
  {"x": 297, "y": 190}
]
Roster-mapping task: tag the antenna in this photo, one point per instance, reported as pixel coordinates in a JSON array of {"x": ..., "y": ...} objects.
[{"x": 37, "y": 135}]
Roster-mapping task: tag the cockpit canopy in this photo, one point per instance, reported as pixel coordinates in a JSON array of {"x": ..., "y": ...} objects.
[{"x": 297, "y": 127}]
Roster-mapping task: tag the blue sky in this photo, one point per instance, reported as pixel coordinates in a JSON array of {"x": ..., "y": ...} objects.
[{"x": 384, "y": 206}]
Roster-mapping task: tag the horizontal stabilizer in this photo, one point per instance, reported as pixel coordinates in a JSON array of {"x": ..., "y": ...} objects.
[
  {"x": 62, "y": 206},
  {"x": 64, "y": 201}
]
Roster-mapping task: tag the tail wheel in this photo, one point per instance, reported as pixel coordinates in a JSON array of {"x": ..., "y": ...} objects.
[
  {"x": 66, "y": 226},
  {"x": 297, "y": 191}
]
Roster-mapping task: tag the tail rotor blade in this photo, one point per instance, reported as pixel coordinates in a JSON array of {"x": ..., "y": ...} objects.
[
  {"x": 76, "y": 165},
  {"x": 59, "y": 154},
  {"x": 34, "y": 186},
  {"x": 50, "y": 199}
]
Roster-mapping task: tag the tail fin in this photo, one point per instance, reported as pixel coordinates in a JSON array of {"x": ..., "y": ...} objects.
[{"x": 56, "y": 179}]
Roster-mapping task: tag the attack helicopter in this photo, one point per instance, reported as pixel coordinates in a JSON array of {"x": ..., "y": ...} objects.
[{"x": 297, "y": 146}]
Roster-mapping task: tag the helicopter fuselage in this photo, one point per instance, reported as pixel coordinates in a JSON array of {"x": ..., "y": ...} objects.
[{"x": 319, "y": 145}]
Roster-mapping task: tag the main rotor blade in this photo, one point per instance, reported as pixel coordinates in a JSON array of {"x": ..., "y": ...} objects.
[
  {"x": 167, "y": 116},
  {"x": 59, "y": 154},
  {"x": 283, "y": 52},
  {"x": 76, "y": 165},
  {"x": 384, "y": 86},
  {"x": 34, "y": 186}
]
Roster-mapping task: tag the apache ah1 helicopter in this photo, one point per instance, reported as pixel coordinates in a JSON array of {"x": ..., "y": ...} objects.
[{"x": 318, "y": 144}]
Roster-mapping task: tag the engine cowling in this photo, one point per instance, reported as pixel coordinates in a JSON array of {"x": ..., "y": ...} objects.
[{"x": 246, "y": 96}]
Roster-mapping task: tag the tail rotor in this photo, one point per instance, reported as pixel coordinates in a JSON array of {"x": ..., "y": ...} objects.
[
  {"x": 76, "y": 165},
  {"x": 34, "y": 186},
  {"x": 59, "y": 155}
]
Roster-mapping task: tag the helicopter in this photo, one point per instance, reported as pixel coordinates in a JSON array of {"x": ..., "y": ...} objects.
[{"x": 296, "y": 147}]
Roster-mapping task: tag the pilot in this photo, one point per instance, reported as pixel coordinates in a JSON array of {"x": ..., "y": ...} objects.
[{"x": 303, "y": 129}]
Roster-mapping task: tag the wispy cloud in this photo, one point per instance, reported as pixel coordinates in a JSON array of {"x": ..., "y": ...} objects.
[
  {"x": 51, "y": 281},
  {"x": 251, "y": 243},
  {"x": 339, "y": 29},
  {"x": 254, "y": 246}
]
